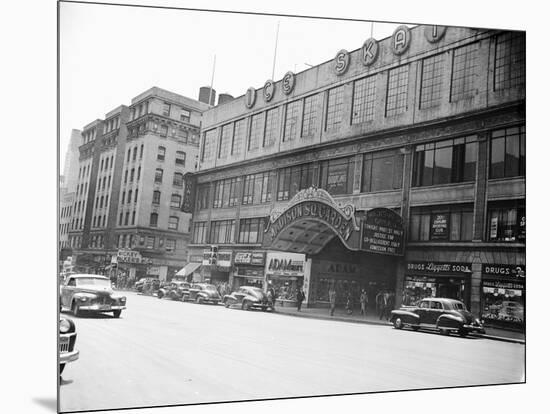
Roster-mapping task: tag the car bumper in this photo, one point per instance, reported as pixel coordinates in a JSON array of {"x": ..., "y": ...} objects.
[
  {"x": 102, "y": 308},
  {"x": 474, "y": 328},
  {"x": 67, "y": 357}
]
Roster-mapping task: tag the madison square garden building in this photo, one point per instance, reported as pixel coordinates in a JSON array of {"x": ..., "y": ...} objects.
[{"x": 398, "y": 166}]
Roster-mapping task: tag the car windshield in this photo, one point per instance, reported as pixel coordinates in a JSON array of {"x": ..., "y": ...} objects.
[
  {"x": 81, "y": 281},
  {"x": 211, "y": 288}
]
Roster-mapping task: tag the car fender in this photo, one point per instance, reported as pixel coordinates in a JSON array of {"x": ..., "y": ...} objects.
[
  {"x": 449, "y": 321},
  {"x": 406, "y": 316}
]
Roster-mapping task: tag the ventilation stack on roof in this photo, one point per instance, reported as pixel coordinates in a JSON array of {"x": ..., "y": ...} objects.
[{"x": 206, "y": 97}]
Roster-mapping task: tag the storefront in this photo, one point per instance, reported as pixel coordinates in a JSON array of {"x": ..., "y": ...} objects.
[
  {"x": 503, "y": 296},
  {"x": 285, "y": 273},
  {"x": 437, "y": 279},
  {"x": 187, "y": 273},
  {"x": 249, "y": 269}
]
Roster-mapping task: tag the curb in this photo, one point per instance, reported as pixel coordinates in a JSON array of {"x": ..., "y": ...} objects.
[{"x": 366, "y": 322}]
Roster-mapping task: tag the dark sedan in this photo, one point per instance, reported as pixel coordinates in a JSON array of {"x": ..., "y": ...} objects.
[
  {"x": 444, "y": 315},
  {"x": 174, "y": 290},
  {"x": 204, "y": 293},
  {"x": 248, "y": 297}
]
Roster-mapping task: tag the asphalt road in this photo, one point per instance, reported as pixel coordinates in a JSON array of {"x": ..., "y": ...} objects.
[{"x": 162, "y": 353}]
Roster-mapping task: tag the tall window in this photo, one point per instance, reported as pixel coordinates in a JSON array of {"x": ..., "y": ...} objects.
[
  {"x": 256, "y": 131},
  {"x": 182, "y": 134},
  {"x": 271, "y": 127},
  {"x": 158, "y": 175},
  {"x": 364, "y": 96},
  {"x": 173, "y": 222},
  {"x": 132, "y": 171},
  {"x": 382, "y": 171},
  {"x": 178, "y": 180},
  {"x": 506, "y": 221},
  {"x": 161, "y": 153},
  {"x": 508, "y": 152},
  {"x": 335, "y": 108},
  {"x": 164, "y": 130},
  {"x": 150, "y": 242},
  {"x": 141, "y": 152},
  {"x": 444, "y": 162},
  {"x": 221, "y": 232},
  {"x": 251, "y": 230},
  {"x": 156, "y": 197},
  {"x": 128, "y": 200},
  {"x": 166, "y": 109},
  {"x": 309, "y": 120},
  {"x": 396, "y": 97},
  {"x": 202, "y": 196},
  {"x": 180, "y": 158},
  {"x": 175, "y": 201},
  {"x": 126, "y": 218},
  {"x": 136, "y": 196},
  {"x": 170, "y": 245},
  {"x": 199, "y": 232},
  {"x": 291, "y": 120},
  {"x": 257, "y": 188},
  {"x": 209, "y": 145},
  {"x": 441, "y": 223},
  {"x": 336, "y": 176},
  {"x": 463, "y": 78},
  {"x": 509, "y": 60},
  {"x": 238, "y": 137},
  {"x": 153, "y": 220},
  {"x": 225, "y": 193},
  {"x": 134, "y": 154},
  {"x": 133, "y": 218},
  {"x": 432, "y": 81},
  {"x": 225, "y": 140},
  {"x": 294, "y": 179}
]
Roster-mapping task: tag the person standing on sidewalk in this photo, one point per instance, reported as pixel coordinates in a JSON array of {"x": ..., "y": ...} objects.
[
  {"x": 300, "y": 296},
  {"x": 332, "y": 300},
  {"x": 364, "y": 299},
  {"x": 380, "y": 304}
]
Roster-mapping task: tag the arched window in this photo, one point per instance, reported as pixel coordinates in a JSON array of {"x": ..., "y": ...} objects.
[
  {"x": 129, "y": 199},
  {"x": 135, "y": 154}
]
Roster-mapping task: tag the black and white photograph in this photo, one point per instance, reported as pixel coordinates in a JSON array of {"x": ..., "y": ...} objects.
[{"x": 255, "y": 206}]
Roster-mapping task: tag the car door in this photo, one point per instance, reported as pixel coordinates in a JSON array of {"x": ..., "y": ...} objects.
[
  {"x": 436, "y": 310},
  {"x": 240, "y": 294},
  {"x": 67, "y": 292},
  {"x": 423, "y": 311}
]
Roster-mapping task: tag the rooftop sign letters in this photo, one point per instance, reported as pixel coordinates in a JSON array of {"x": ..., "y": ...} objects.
[
  {"x": 401, "y": 40},
  {"x": 341, "y": 62},
  {"x": 382, "y": 232},
  {"x": 369, "y": 51},
  {"x": 288, "y": 83},
  {"x": 434, "y": 33},
  {"x": 250, "y": 97},
  {"x": 269, "y": 90}
]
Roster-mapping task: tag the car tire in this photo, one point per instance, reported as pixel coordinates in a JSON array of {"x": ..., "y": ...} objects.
[
  {"x": 198, "y": 300},
  {"x": 463, "y": 333},
  {"x": 116, "y": 313},
  {"x": 226, "y": 303},
  {"x": 160, "y": 295},
  {"x": 245, "y": 305},
  {"x": 415, "y": 328},
  {"x": 398, "y": 323},
  {"x": 443, "y": 331},
  {"x": 61, "y": 368}
]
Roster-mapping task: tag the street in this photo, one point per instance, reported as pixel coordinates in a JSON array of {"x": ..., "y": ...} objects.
[{"x": 162, "y": 352}]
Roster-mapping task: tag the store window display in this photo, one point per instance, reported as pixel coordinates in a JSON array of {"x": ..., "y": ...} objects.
[{"x": 503, "y": 303}]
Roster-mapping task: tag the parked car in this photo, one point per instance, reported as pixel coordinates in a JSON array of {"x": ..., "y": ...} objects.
[
  {"x": 248, "y": 297},
  {"x": 147, "y": 285},
  {"x": 442, "y": 314},
  {"x": 67, "y": 340},
  {"x": 176, "y": 290},
  {"x": 90, "y": 293},
  {"x": 204, "y": 293}
]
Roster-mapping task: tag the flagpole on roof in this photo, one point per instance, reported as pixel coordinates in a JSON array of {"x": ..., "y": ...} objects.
[
  {"x": 212, "y": 81},
  {"x": 371, "y": 29},
  {"x": 275, "y": 52}
]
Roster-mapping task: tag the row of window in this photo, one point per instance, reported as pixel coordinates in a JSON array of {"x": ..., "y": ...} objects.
[
  {"x": 103, "y": 183},
  {"x": 222, "y": 232},
  {"x": 177, "y": 181},
  {"x": 149, "y": 242},
  {"x": 509, "y": 72},
  {"x": 112, "y": 124},
  {"x": 84, "y": 171},
  {"x": 175, "y": 199},
  {"x": 181, "y": 133},
  {"x": 101, "y": 201},
  {"x": 66, "y": 211},
  {"x": 180, "y": 156},
  {"x": 437, "y": 163},
  {"x": 132, "y": 152},
  {"x": 132, "y": 174},
  {"x": 89, "y": 135},
  {"x": 99, "y": 221},
  {"x": 106, "y": 163},
  {"x": 173, "y": 221}
]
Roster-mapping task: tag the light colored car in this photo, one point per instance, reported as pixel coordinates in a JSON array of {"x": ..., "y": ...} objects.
[
  {"x": 248, "y": 297},
  {"x": 90, "y": 293},
  {"x": 67, "y": 339}
]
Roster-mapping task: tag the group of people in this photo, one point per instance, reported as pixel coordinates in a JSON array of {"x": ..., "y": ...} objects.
[{"x": 384, "y": 301}]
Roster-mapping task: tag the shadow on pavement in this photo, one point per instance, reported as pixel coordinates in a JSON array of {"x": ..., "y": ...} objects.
[{"x": 49, "y": 403}]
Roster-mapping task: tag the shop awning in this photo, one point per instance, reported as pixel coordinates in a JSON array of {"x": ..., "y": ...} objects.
[{"x": 188, "y": 269}]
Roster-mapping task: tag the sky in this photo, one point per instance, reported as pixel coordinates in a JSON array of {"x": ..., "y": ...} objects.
[{"x": 110, "y": 54}]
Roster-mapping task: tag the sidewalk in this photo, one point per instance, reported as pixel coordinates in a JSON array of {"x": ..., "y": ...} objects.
[{"x": 371, "y": 319}]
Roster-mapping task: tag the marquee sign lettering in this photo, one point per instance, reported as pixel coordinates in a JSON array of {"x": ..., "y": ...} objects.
[
  {"x": 250, "y": 97},
  {"x": 369, "y": 51},
  {"x": 341, "y": 62},
  {"x": 288, "y": 83},
  {"x": 434, "y": 33},
  {"x": 382, "y": 232},
  {"x": 400, "y": 40},
  {"x": 504, "y": 271},
  {"x": 269, "y": 90}
]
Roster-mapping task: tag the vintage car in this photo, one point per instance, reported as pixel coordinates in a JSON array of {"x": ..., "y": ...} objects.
[
  {"x": 444, "y": 315},
  {"x": 147, "y": 285},
  {"x": 248, "y": 297},
  {"x": 67, "y": 340},
  {"x": 90, "y": 293},
  {"x": 204, "y": 293},
  {"x": 175, "y": 290}
]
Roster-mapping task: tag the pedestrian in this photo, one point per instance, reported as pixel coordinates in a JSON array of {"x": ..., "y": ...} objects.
[
  {"x": 349, "y": 304},
  {"x": 380, "y": 304},
  {"x": 332, "y": 300},
  {"x": 388, "y": 305},
  {"x": 364, "y": 299},
  {"x": 300, "y": 296},
  {"x": 271, "y": 297}
]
